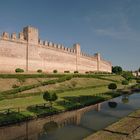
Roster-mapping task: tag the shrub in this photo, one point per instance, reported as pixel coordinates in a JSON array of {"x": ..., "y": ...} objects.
[
  {"x": 66, "y": 71},
  {"x": 87, "y": 72},
  {"x": 50, "y": 97},
  {"x": 112, "y": 86},
  {"x": 125, "y": 82},
  {"x": 76, "y": 71},
  {"x": 138, "y": 81},
  {"x": 39, "y": 71},
  {"x": 19, "y": 70},
  {"x": 128, "y": 75},
  {"x": 55, "y": 71}
]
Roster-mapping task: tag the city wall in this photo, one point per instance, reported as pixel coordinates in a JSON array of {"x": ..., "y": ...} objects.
[{"x": 29, "y": 53}]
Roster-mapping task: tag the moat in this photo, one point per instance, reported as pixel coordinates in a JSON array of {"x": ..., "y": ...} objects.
[{"x": 74, "y": 125}]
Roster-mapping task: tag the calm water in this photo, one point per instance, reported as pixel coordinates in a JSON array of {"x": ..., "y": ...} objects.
[{"x": 74, "y": 125}]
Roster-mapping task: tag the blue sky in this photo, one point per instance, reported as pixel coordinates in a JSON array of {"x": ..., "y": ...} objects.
[{"x": 111, "y": 27}]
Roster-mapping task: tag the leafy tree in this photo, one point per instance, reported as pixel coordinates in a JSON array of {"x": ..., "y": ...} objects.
[
  {"x": 112, "y": 86},
  {"x": 117, "y": 70},
  {"x": 138, "y": 81},
  {"x": 54, "y": 97},
  {"x": 139, "y": 70},
  {"x": 50, "y": 97},
  {"x": 128, "y": 75},
  {"x": 125, "y": 82}
]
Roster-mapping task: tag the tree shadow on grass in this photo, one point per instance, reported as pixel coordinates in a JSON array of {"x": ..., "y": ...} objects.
[
  {"x": 41, "y": 110},
  {"x": 13, "y": 117},
  {"x": 76, "y": 102}
]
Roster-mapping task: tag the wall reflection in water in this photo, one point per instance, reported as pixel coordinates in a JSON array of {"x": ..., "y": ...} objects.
[{"x": 34, "y": 129}]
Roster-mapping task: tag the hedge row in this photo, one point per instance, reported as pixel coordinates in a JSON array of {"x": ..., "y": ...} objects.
[
  {"x": 42, "y": 75},
  {"x": 11, "y": 96},
  {"x": 23, "y": 88}
]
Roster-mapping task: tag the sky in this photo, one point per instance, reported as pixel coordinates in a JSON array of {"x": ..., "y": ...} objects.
[{"x": 110, "y": 27}]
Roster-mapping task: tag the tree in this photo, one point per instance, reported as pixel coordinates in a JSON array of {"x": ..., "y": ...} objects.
[
  {"x": 112, "y": 86},
  {"x": 117, "y": 70},
  {"x": 138, "y": 81},
  {"x": 50, "y": 97},
  {"x": 125, "y": 82},
  {"x": 128, "y": 75},
  {"x": 139, "y": 69},
  {"x": 54, "y": 97}
]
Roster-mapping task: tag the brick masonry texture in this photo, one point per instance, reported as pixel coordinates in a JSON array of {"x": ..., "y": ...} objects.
[{"x": 30, "y": 53}]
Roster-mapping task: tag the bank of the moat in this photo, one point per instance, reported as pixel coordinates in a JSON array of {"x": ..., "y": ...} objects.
[{"x": 74, "y": 125}]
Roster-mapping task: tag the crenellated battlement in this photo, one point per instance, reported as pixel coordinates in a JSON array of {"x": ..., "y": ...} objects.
[
  {"x": 30, "y": 35},
  {"x": 13, "y": 37},
  {"x": 26, "y": 50}
]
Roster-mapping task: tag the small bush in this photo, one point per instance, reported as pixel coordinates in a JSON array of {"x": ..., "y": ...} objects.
[
  {"x": 19, "y": 70},
  {"x": 128, "y": 75},
  {"x": 138, "y": 81},
  {"x": 87, "y": 72},
  {"x": 66, "y": 71},
  {"x": 112, "y": 86},
  {"x": 55, "y": 71},
  {"x": 76, "y": 71},
  {"x": 125, "y": 82},
  {"x": 39, "y": 71}
]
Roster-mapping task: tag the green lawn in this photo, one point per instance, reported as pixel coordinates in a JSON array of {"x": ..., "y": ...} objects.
[
  {"x": 72, "y": 85},
  {"x": 21, "y": 102},
  {"x": 72, "y": 93},
  {"x": 27, "y": 101}
]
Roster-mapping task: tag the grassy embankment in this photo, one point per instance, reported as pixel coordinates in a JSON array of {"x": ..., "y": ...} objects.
[
  {"x": 74, "y": 91},
  {"x": 126, "y": 128}
]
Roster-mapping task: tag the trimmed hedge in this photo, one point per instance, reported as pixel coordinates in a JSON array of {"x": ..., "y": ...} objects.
[
  {"x": 42, "y": 75},
  {"x": 23, "y": 88},
  {"x": 39, "y": 71},
  {"x": 76, "y": 71},
  {"x": 66, "y": 71},
  {"x": 19, "y": 70},
  {"x": 55, "y": 71}
]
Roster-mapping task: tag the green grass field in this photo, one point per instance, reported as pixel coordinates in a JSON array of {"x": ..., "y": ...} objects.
[
  {"x": 75, "y": 83},
  {"x": 72, "y": 92}
]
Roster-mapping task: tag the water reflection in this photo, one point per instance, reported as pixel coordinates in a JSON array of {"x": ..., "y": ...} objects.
[
  {"x": 73, "y": 125},
  {"x": 50, "y": 127},
  {"x": 112, "y": 104},
  {"x": 125, "y": 99}
]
